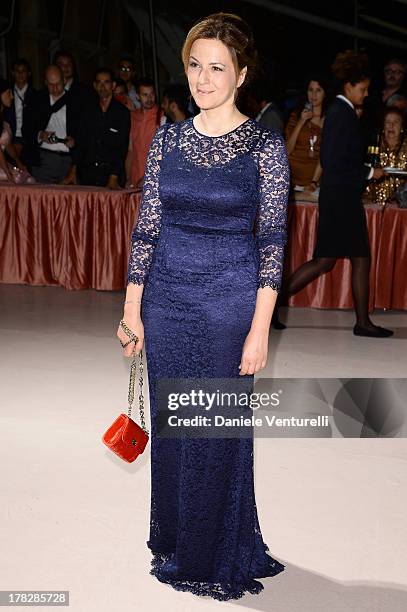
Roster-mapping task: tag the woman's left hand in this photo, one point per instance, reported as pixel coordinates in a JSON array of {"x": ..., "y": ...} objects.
[{"x": 254, "y": 353}]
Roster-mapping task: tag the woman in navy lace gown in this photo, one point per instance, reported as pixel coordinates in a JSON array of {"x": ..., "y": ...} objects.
[{"x": 201, "y": 292}]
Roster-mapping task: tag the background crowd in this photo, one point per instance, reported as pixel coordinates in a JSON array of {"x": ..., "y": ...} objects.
[{"x": 99, "y": 133}]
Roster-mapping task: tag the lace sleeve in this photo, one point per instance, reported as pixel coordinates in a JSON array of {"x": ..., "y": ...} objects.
[
  {"x": 271, "y": 220},
  {"x": 147, "y": 229}
]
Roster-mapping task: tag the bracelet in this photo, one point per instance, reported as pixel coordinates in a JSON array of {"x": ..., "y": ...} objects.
[{"x": 132, "y": 302}]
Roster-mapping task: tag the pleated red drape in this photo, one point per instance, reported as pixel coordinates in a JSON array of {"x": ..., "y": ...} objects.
[
  {"x": 76, "y": 237},
  {"x": 79, "y": 238},
  {"x": 391, "y": 269}
]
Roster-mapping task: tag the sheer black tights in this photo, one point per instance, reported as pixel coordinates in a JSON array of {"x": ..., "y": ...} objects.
[{"x": 311, "y": 270}]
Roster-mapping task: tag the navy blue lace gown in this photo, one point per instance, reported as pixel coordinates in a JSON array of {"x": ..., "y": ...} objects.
[{"x": 194, "y": 250}]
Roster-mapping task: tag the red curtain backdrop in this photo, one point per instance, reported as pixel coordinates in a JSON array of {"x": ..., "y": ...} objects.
[
  {"x": 76, "y": 237},
  {"x": 79, "y": 238},
  {"x": 391, "y": 269}
]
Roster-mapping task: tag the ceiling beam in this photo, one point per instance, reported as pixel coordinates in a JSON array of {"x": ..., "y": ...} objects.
[
  {"x": 384, "y": 24},
  {"x": 329, "y": 24}
]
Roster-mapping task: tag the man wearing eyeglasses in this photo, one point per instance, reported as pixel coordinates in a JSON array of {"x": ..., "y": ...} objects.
[
  {"x": 393, "y": 83},
  {"x": 394, "y": 74},
  {"x": 127, "y": 73}
]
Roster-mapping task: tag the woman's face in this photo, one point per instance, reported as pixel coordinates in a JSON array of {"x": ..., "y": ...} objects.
[
  {"x": 120, "y": 90},
  {"x": 6, "y": 98},
  {"x": 358, "y": 92},
  {"x": 392, "y": 127},
  {"x": 316, "y": 93},
  {"x": 211, "y": 74}
]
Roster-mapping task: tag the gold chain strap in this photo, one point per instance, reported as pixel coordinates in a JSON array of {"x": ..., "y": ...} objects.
[{"x": 132, "y": 381}]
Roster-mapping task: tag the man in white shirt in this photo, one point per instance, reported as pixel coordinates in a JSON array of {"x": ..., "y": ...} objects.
[
  {"x": 54, "y": 122},
  {"x": 23, "y": 93}
]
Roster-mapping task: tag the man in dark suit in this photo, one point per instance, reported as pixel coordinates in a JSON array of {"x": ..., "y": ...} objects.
[
  {"x": 51, "y": 128},
  {"x": 83, "y": 94},
  {"x": 265, "y": 111},
  {"x": 174, "y": 102},
  {"x": 24, "y": 95}
]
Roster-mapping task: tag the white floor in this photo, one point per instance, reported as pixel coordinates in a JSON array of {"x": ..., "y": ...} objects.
[{"x": 75, "y": 517}]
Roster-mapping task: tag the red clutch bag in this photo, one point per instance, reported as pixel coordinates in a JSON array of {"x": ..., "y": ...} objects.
[{"x": 125, "y": 437}]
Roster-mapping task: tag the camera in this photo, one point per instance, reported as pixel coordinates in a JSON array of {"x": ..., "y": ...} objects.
[
  {"x": 53, "y": 139},
  {"x": 308, "y": 106}
]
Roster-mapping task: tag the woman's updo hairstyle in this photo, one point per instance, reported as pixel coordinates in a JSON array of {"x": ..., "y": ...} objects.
[
  {"x": 234, "y": 32},
  {"x": 350, "y": 67}
]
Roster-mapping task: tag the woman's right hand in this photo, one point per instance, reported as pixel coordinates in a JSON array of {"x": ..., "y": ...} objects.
[
  {"x": 306, "y": 115},
  {"x": 378, "y": 173},
  {"x": 134, "y": 322}
]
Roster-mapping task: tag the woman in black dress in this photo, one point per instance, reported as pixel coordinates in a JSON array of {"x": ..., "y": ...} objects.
[{"x": 342, "y": 228}]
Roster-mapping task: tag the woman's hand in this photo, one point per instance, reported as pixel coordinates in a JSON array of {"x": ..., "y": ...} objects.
[
  {"x": 306, "y": 115},
  {"x": 113, "y": 183},
  {"x": 378, "y": 173},
  {"x": 254, "y": 353},
  {"x": 134, "y": 322},
  {"x": 11, "y": 176}
]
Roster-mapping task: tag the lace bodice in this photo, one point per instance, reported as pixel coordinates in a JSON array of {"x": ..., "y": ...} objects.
[{"x": 263, "y": 179}]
